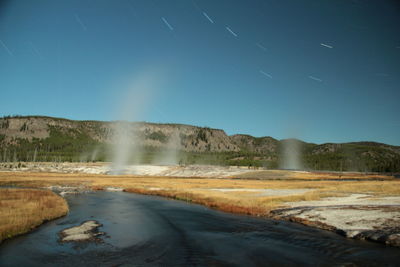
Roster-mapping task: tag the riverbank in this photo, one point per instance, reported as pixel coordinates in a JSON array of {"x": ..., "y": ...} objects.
[
  {"x": 22, "y": 210},
  {"x": 359, "y": 209}
]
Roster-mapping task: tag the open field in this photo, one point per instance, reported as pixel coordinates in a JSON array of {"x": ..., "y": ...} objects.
[
  {"x": 355, "y": 207},
  {"x": 21, "y": 210},
  {"x": 249, "y": 196},
  {"x": 185, "y": 171},
  {"x": 314, "y": 175}
]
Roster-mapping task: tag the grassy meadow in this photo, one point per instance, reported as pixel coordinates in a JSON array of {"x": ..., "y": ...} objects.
[
  {"x": 21, "y": 210},
  {"x": 248, "y": 196}
]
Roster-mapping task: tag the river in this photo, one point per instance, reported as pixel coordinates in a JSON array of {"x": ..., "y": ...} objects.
[{"x": 154, "y": 231}]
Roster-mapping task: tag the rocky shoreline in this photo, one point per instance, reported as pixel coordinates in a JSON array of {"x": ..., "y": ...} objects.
[
  {"x": 357, "y": 216},
  {"x": 386, "y": 235}
]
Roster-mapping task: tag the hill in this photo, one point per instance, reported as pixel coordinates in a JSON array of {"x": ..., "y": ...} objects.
[{"x": 40, "y": 138}]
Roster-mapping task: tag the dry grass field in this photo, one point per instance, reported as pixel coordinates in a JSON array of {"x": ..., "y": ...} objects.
[
  {"x": 248, "y": 196},
  {"x": 21, "y": 210},
  {"x": 316, "y": 175}
]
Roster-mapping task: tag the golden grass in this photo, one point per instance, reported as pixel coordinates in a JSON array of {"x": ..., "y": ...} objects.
[
  {"x": 197, "y": 190},
  {"x": 315, "y": 175},
  {"x": 377, "y": 188},
  {"x": 21, "y": 210},
  {"x": 235, "y": 202}
]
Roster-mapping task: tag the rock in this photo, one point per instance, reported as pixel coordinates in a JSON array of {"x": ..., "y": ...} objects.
[
  {"x": 114, "y": 189},
  {"x": 352, "y": 233},
  {"x": 385, "y": 236},
  {"x": 87, "y": 231},
  {"x": 76, "y": 237},
  {"x": 393, "y": 240}
]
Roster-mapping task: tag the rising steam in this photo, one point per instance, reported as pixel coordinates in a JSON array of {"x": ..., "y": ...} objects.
[
  {"x": 126, "y": 140},
  {"x": 170, "y": 155},
  {"x": 291, "y": 154}
]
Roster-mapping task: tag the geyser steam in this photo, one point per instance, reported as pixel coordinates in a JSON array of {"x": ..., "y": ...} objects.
[
  {"x": 169, "y": 156},
  {"x": 291, "y": 154},
  {"x": 126, "y": 140},
  {"x": 124, "y": 146}
]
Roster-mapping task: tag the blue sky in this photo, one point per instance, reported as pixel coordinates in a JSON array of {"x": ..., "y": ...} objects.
[{"x": 321, "y": 71}]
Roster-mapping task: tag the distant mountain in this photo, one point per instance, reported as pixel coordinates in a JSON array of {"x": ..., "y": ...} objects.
[{"x": 40, "y": 138}]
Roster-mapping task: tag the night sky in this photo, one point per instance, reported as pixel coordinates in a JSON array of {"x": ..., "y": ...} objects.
[{"x": 321, "y": 71}]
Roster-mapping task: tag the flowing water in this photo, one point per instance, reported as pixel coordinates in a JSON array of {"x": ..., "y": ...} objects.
[{"x": 153, "y": 231}]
